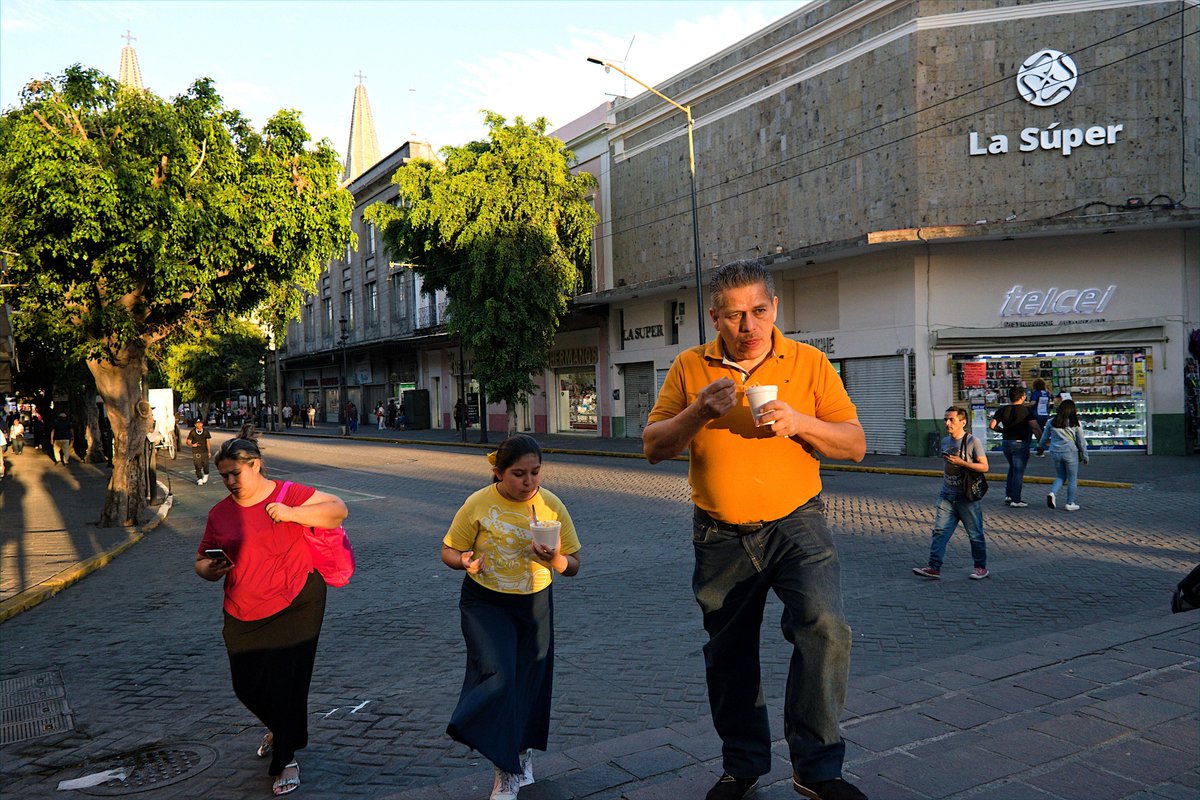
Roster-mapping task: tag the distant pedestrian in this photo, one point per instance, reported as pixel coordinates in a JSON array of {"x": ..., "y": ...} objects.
[
  {"x": 380, "y": 415},
  {"x": 460, "y": 414},
  {"x": 274, "y": 599},
  {"x": 1068, "y": 447},
  {"x": 391, "y": 414},
  {"x": 199, "y": 440},
  {"x": 506, "y": 608},
  {"x": 1039, "y": 402},
  {"x": 352, "y": 417},
  {"x": 61, "y": 435},
  {"x": 16, "y": 436},
  {"x": 1018, "y": 428},
  {"x": 961, "y": 452},
  {"x": 312, "y": 416},
  {"x": 287, "y": 416},
  {"x": 3, "y": 450}
]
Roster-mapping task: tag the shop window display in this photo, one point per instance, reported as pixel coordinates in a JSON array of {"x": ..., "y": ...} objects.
[{"x": 1108, "y": 387}]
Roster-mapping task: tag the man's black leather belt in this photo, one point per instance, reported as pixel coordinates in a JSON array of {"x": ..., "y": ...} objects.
[{"x": 742, "y": 529}]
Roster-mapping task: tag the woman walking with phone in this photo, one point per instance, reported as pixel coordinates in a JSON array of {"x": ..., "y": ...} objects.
[{"x": 274, "y": 599}]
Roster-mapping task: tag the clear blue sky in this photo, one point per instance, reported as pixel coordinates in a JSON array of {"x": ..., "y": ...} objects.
[{"x": 429, "y": 66}]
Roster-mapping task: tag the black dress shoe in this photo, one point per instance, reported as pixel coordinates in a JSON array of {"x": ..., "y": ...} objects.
[
  {"x": 836, "y": 789},
  {"x": 731, "y": 788}
]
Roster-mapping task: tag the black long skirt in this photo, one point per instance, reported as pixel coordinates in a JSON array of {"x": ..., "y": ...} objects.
[
  {"x": 504, "y": 706},
  {"x": 271, "y": 661}
]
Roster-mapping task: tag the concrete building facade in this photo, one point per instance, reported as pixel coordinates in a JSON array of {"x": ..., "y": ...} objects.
[{"x": 953, "y": 198}]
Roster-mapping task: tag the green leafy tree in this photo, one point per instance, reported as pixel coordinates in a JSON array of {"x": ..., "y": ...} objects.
[
  {"x": 503, "y": 226},
  {"x": 135, "y": 219},
  {"x": 210, "y": 363}
]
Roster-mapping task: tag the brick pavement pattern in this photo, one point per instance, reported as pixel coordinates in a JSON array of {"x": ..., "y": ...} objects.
[{"x": 1062, "y": 676}]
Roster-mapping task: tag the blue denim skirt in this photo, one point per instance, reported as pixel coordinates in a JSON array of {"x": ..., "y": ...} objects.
[{"x": 504, "y": 706}]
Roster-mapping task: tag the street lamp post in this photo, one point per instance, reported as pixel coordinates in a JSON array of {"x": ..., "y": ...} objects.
[
  {"x": 342, "y": 381},
  {"x": 687, "y": 110}
]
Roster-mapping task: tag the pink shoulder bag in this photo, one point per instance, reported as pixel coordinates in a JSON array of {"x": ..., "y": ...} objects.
[{"x": 332, "y": 555}]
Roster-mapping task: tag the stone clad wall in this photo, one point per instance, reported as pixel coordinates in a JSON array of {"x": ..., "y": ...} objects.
[{"x": 883, "y": 140}]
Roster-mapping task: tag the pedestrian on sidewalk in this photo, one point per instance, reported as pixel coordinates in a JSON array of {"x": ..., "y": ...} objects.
[
  {"x": 1067, "y": 448},
  {"x": 312, "y": 416},
  {"x": 506, "y": 608},
  {"x": 199, "y": 440},
  {"x": 1039, "y": 403},
  {"x": 287, "y": 416},
  {"x": 61, "y": 435},
  {"x": 16, "y": 436},
  {"x": 380, "y": 413},
  {"x": 759, "y": 526},
  {"x": 1017, "y": 427},
  {"x": 274, "y": 598},
  {"x": 960, "y": 452}
]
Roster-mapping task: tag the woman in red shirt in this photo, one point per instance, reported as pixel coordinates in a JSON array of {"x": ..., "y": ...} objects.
[{"x": 274, "y": 599}]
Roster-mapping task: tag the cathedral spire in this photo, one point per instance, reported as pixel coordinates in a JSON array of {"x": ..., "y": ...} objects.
[
  {"x": 131, "y": 74},
  {"x": 363, "y": 150}
]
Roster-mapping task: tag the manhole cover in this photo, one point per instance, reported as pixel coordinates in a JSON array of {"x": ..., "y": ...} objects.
[
  {"x": 32, "y": 706},
  {"x": 151, "y": 768}
]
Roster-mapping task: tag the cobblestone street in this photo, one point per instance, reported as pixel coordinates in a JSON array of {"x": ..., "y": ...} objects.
[{"x": 139, "y": 649}]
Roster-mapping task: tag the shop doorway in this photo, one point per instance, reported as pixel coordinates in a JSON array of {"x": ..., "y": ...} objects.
[
  {"x": 577, "y": 412},
  {"x": 639, "y": 397},
  {"x": 879, "y": 388}
]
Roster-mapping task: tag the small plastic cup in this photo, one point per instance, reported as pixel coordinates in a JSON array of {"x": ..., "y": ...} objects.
[
  {"x": 757, "y": 397},
  {"x": 545, "y": 532}
]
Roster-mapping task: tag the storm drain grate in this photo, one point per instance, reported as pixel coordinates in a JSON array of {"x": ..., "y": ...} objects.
[
  {"x": 151, "y": 768},
  {"x": 32, "y": 706}
]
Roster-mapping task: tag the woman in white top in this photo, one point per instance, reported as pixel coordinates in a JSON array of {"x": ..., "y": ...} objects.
[{"x": 1067, "y": 447}]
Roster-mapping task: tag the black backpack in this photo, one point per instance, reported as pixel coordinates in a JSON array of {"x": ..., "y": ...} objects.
[{"x": 1187, "y": 593}]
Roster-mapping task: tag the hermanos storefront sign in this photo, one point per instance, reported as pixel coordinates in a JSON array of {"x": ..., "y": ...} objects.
[{"x": 1047, "y": 78}]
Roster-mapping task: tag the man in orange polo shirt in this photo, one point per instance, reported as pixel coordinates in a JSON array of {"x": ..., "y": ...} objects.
[{"x": 759, "y": 526}]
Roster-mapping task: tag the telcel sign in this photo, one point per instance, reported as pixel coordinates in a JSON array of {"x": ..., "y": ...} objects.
[
  {"x": 1047, "y": 78},
  {"x": 1020, "y": 303}
]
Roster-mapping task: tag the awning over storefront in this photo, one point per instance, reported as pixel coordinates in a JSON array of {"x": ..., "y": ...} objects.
[{"x": 1118, "y": 333}]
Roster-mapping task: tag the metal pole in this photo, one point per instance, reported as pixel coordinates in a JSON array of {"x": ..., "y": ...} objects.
[
  {"x": 278, "y": 384},
  {"x": 462, "y": 391},
  {"x": 692, "y": 167},
  {"x": 695, "y": 232},
  {"x": 343, "y": 422}
]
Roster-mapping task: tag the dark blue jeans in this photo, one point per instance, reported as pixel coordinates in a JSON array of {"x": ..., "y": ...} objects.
[
  {"x": 1017, "y": 453},
  {"x": 795, "y": 557}
]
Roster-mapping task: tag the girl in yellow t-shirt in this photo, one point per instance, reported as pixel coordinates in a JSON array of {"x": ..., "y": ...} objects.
[{"x": 507, "y": 612}]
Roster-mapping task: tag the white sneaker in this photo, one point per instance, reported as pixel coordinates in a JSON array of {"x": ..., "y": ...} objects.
[
  {"x": 1018, "y": 504},
  {"x": 1050, "y": 500},
  {"x": 202, "y": 481},
  {"x": 506, "y": 785},
  {"x": 1071, "y": 507},
  {"x": 527, "y": 767}
]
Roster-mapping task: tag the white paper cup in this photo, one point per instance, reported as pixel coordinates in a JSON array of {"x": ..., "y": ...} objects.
[
  {"x": 757, "y": 397},
  {"x": 545, "y": 532}
]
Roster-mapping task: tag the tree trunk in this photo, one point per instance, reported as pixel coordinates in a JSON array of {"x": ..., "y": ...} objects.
[
  {"x": 510, "y": 410},
  {"x": 119, "y": 384},
  {"x": 95, "y": 441}
]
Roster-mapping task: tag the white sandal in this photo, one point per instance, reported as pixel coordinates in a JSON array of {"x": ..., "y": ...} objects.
[{"x": 284, "y": 785}]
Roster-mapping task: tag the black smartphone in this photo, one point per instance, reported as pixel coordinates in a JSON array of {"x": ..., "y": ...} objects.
[{"x": 217, "y": 554}]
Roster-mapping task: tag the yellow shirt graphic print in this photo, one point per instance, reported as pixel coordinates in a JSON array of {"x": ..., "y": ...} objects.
[{"x": 498, "y": 529}]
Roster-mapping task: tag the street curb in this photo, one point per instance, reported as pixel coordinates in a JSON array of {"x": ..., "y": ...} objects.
[
  {"x": 922, "y": 473},
  {"x": 36, "y": 595}
]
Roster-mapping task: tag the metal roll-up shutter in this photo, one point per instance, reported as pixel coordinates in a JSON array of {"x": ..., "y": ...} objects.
[
  {"x": 878, "y": 387},
  {"x": 639, "y": 397}
]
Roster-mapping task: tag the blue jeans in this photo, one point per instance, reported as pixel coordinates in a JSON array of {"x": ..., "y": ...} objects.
[
  {"x": 951, "y": 511},
  {"x": 795, "y": 557},
  {"x": 1017, "y": 453},
  {"x": 1066, "y": 470}
]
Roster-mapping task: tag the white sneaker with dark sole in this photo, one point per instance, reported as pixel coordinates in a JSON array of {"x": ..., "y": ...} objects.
[{"x": 1050, "y": 500}]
